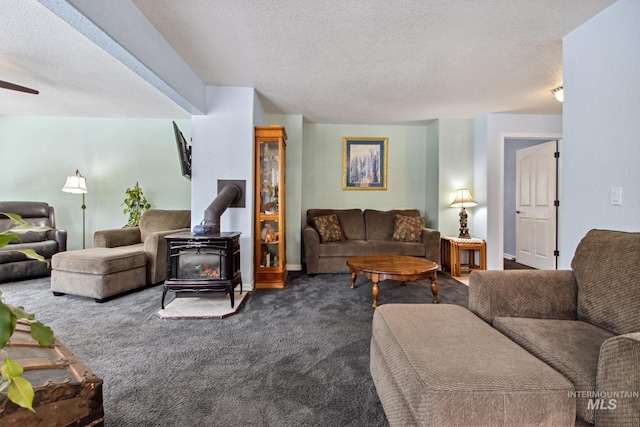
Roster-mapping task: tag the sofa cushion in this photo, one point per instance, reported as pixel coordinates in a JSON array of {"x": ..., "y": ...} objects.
[
  {"x": 36, "y": 213},
  {"x": 45, "y": 248},
  {"x": 407, "y": 228},
  {"x": 397, "y": 248},
  {"x": 155, "y": 220},
  {"x": 345, "y": 248},
  {"x": 328, "y": 227},
  {"x": 380, "y": 224},
  {"x": 351, "y": 221},
  {"x": 99, "y": 261},
  {"x": 571, "y": 347},
  {"x": 608, "y": 288}
]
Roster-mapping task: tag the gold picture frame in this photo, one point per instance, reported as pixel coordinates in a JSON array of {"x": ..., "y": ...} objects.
[{"x": 364, "y": 163}]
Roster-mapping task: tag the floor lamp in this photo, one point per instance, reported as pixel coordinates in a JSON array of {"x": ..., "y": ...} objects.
[{"x": 76, "y": 184}]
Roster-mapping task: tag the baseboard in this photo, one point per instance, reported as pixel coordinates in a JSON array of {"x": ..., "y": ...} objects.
[
  {"x": 294, "y": 267},
  {"x": 509, "y": 257}
]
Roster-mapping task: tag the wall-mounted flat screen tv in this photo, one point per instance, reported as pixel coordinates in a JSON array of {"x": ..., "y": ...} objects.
[{"x": 184, "y": 152}]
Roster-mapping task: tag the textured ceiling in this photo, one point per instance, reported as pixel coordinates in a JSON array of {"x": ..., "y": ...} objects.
[
  {"x": 74, "y": 76},
  {"x": 333, "y": 61}
]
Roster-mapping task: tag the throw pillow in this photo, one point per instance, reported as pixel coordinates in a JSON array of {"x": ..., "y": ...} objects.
[
  {"x": 328, "y": 228},
  {"x": 408, "y": 228}
]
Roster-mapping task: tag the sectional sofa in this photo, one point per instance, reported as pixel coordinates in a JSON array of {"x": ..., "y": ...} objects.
[{"x": 537, "y": 348}]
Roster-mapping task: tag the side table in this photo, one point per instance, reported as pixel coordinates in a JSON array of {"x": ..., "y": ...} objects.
[{"x": 450, "y": 253}]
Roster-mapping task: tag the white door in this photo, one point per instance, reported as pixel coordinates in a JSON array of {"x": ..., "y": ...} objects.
[{"x": 536, "y": 176}]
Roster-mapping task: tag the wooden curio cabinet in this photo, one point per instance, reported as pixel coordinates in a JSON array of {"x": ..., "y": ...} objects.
[{"x": 270, "y": 252}]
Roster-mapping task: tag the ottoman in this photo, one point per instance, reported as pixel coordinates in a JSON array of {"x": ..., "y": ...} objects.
[
  {"x": 97, "y": 273},
  {"x": 441, "y": 365}
]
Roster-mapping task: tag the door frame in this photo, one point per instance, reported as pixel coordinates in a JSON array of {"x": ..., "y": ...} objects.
[{"x": 538, "y": 136}]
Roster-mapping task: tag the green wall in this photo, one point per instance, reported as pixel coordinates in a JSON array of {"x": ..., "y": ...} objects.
[
  {"x": 425, "y": 163},
  {"x": 455, "y": 163},
  {"x": 113, "y": 154},
  {"x": 322, "y": 153}
]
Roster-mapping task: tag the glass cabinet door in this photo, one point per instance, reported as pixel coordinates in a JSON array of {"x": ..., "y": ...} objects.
[
  {"x": 269, "y": 243},
  {"x": 270, "y": 176},
  {"x": 270, "y": 207}
]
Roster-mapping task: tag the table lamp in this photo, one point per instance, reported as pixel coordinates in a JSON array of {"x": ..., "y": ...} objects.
[{"x": 463, "y": 199}]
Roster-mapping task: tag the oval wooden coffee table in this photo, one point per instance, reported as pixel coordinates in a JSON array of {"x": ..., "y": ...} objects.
[{"x": 393, "y": 267}]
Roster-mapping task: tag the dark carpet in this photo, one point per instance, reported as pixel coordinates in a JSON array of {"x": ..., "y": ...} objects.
[{"x": 297, "y": 356}]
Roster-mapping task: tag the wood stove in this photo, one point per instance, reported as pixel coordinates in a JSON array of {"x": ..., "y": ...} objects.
[{"x": 199, "y": 265}]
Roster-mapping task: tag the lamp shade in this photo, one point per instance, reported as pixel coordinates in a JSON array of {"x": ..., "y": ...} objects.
[
  {"x": 463, "y": 199},
  {"x": 558, "y": 93},
  {"x": 75, "y": 184}
]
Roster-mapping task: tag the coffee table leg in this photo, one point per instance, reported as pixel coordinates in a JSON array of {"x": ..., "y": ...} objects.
[
  {"x": 375, "y": 290},
  {"x": 353, "y": 280},
  {"x": 434, "y": 288}
]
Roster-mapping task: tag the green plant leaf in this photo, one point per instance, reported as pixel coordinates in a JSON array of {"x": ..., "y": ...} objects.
[
  {"x": 42, "y": 333},
  {"x": 7, "y": 323},
  {"x": 31, "y": 254},
  {"x": 11, "y": 368},
  {"x": 6, "y": 237},
  {"x": 13, "y": 218},
  {"x": 21, "y": 392},
  {"x": 20, "y": 312}
]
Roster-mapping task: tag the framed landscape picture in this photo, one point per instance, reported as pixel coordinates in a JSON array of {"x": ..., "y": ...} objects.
[{"x": 364, "y": 163}]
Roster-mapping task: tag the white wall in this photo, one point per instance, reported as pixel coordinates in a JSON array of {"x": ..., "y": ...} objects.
[
  {"x": 601, "y": 125},
  {"x": 490, "y": 132},
  {"x": 113, "y": 154},
  {"x": 223, "y": 148}
]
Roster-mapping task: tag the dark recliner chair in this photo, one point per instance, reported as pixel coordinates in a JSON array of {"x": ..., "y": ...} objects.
[{"x": 15, "y": 265}]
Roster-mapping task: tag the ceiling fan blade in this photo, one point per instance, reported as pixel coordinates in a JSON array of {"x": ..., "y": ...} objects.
[{"x": 11, "y": 86}]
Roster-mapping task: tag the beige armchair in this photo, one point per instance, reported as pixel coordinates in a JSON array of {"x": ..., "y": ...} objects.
[
  {"x": 583, "y": 322},
  {"x": 148, "y": 237}
]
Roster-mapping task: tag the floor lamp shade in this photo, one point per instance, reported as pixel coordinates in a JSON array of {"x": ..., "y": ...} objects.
[
  {"x": 463, "y": 199},
  {"x": 76, "y": 184}
]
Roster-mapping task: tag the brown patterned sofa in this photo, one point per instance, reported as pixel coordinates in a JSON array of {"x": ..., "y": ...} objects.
[
  {"x": 365, "y": 233},
  {"x": 544, "y": 348}
]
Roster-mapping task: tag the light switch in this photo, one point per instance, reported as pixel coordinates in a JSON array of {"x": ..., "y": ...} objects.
[{"x": 616, "y": 196}]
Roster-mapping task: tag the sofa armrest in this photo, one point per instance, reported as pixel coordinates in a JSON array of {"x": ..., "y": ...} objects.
[
  {"x": 618, "y": 378},
  {"x": 116, "y": 237},
  {"x": 311, "y": 240},
  {"x": 155, "y": 248},
  {"x": 539, "y": 294},
  {"x": 431, "y": 241},
  {"x": 59, "y": 236}
]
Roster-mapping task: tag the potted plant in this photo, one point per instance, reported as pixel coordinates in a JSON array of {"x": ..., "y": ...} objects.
[
  {"x": 136, "y": 204},
  {"x": 19, "y": 390}
]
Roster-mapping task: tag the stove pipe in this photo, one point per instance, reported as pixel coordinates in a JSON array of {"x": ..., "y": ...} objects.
[{"x": 214, "y": 211}]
